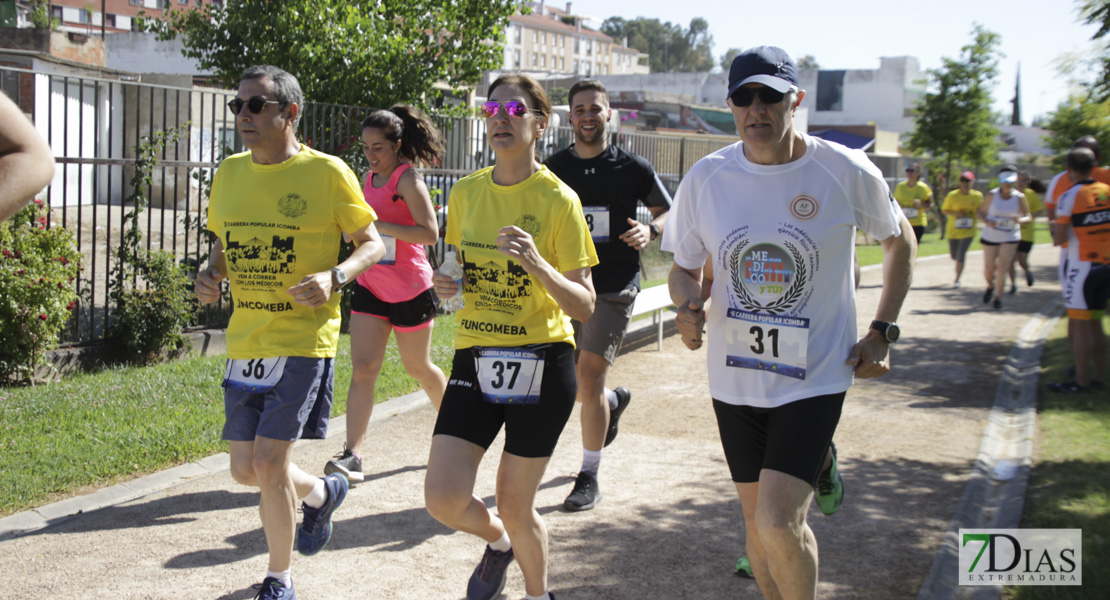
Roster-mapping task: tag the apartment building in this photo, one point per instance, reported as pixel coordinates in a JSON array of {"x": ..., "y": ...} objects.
[
  {"x": 553, "y": 40},
  {"x": 111, "y": 16}
]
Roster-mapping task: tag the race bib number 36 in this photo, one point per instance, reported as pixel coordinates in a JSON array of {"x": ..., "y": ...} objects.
[
  {"x": 597, "y": 219},
  {"x": 254, "y": 375},
  {"x": 767, "y": 343},
  {"x": 509, "y": 375}
]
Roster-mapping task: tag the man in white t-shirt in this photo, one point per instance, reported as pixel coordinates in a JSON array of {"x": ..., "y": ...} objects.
[{"x": 774, "y": 217}]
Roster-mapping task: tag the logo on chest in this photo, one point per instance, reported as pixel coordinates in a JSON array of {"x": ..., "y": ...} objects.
[{"x": 804, "y": 207}]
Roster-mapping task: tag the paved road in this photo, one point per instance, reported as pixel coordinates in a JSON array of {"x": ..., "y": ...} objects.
[{"x": 668, "y": 527}]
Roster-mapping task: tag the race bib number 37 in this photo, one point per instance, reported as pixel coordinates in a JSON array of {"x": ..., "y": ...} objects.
[
  {"x": 509, "y": 375},
  {"x": 254, "y": 375},
  {"x": 767, "y": 343}
]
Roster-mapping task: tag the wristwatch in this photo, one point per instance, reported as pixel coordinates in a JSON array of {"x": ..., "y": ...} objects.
[
  {"x": 890, "y": 331},
  {"x": 656, "y": 230},
  {"x": 338, "y": 277}
]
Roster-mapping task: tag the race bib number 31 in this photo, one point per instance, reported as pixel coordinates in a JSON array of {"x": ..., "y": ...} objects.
[
  {"x": 767, "y": 343},
  {"x": 254, "y": 375},
  {"x": 509, "y": 375},
  {"x": 597, "y": 219}
]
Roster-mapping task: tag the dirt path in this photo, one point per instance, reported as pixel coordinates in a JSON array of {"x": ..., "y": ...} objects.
[{"x": 669, "y": 525}]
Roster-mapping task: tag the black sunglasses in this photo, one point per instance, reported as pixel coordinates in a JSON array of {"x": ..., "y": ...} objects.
[
  {"x": 255, "y": 104},
  {"x": 745, "y": 96}
]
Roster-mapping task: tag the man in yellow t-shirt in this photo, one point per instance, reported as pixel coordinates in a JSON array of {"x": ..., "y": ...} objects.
[
  {"x": 961, "y": 205},
  {"x": 915, "y": 198},
  {"x": 278, "y": 213}
]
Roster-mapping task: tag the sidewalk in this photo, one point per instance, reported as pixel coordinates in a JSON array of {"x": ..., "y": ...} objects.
[{"x": 669, "y": 525}]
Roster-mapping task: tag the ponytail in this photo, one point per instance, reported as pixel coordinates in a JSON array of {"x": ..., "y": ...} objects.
[{"x": 421, "y": 141}]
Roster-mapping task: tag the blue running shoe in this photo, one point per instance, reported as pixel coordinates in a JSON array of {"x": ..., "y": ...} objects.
[
  {"x": 315, "y": 529},
  {"x": 272, "y": 588},
  {"x": 489, "y": 578}
]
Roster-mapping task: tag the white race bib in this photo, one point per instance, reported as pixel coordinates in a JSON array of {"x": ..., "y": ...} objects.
[
  {"x": 1004, "y": 224},
  {"x": 597, "y": 219},
  {"x": 509, "y": 375},
  {"x": 390, "y": 257},
  {"x": 909, "y": 211},
  {"x": 965, "y": 223},
  {"x": 766, "y": 343},
  {"x": 255, "y": 374}
]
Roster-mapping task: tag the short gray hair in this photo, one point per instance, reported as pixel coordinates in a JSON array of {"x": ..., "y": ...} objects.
[{"x": 287, "y": 89}]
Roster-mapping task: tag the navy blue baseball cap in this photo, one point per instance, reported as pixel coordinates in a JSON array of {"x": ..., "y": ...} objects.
[{"x": 768, "y": 65}]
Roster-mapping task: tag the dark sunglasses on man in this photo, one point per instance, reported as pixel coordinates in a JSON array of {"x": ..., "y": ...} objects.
[
  {"x": 255, "y": 104},
  {"x": 744, "y": 97}
]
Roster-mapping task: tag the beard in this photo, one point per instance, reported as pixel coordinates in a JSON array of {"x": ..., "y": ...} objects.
[{"x": 589, "y": 137}]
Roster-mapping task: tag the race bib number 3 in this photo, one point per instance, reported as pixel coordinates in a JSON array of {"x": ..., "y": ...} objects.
[
  {"x": 766, "y": 343},
  {"x": 965, "y": 223},
  {"x": 509, "y": 375},
  {"x": 597, "y": 219},
  {"x": 390, "y": 257},
  {"x": 254, "y": 375}
]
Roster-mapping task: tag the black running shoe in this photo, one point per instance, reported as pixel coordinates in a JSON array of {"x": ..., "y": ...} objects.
[
  {"x": 624, "y": 396},
  {"x": 488, "y": 578},
  {"x": 987, "y": 295},
  {"x": 585, "y": 495},
  {"x": 346, "y": 464}
]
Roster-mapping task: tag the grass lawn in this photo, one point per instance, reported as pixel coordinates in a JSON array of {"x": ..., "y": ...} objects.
[
  {"x": 1070, "y": 484},
  {"x": 94, "y": 429}
]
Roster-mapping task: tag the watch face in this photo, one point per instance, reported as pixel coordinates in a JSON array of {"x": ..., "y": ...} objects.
[
  {"x": 340, "y": 276},
  {"x": 893, "y": 332}
]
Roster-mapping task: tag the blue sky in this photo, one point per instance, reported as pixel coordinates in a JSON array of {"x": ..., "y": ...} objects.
[{"x": 853, "y": 34}]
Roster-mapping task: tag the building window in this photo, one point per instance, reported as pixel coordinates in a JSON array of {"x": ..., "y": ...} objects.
[
  {"x": 516, "y": 58},
  {"x": 562, "y": 64},
  {"x": 516, "y": 34},
  {"x": 544, "y": 38},
  {"x": 576, "y": 66},
  {"x": 830, "y": 90},
  {"x": 535, "y": 59},
  {"x": 543, "y": 60},
  {"x": 535, "y": 37}
]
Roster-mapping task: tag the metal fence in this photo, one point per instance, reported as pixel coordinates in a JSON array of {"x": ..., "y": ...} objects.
[{"x": 95, "y": 125}]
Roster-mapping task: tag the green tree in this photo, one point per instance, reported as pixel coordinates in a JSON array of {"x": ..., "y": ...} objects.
[
  {"x": 348, "y": 51},
  {"x": 1076, "y": 117},
  {"x": 808, "y": 62},
  {"x": 727, "y": 57},
  {"x": 670, "y": 47},
  {"x": 954, "y": 120},
  {"x": 1097, "y": 12}
]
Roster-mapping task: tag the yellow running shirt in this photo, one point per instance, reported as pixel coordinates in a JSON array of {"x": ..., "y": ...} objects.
[
  {"x": 905, "y": 195},
  {"x": 279, "y": 223},
  {"x": 505, "y": 306},
  {"x": 963, "y": 225},
  {"x": 1035, "y": 205}
]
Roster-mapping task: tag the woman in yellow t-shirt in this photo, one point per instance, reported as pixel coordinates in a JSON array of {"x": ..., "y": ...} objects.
[
  {"x": 1034, "y": 190},
  {"x": 526, "y": 254},
  {"x": 915, "y": 198},
  {"x": 962, "y": 207}
]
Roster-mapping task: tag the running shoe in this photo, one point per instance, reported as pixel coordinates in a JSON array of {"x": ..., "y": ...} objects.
[
  {"x": 830, "y": 487},
  {"x": 347, "y": 464},
  {"x": 624, "y": 396},
  {"x": 272, "y": 588},
  {"x": 997, "y": 304},
  {"x": 1013, "y": 289},
  {"x": 1068, "y": 387},
  {"x": 1029, "y": 278},
  {"x": 956, "y": 285},
  {"x": 489, "y": 578},
  {"x": 585, "y": 495},
  {"x": 987, "y": 295},
  {"x": 315, "y": 530},
  {"x": 744, "y": 568}
]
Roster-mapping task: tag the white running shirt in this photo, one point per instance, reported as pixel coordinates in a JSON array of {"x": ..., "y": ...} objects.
[{"x": 783, "y": 316}]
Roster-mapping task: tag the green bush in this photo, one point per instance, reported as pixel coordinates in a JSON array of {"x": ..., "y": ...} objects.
[
  {"x": 37, "y": 267},
  {"x": 152, "y": 307}
]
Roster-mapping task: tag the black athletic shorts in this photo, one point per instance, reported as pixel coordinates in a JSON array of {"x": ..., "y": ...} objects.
[
  {"x": 410, "y": 314},
  {"x": 1025, "y": 246},
  {"x": 531, "y": 430},
  {"x": 793, "y": 438}
]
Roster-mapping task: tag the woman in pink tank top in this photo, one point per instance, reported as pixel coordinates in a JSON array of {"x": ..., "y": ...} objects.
[{"x": 396, "y": 294}]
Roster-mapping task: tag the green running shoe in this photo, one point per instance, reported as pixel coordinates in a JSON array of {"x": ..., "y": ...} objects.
[
  {"x": 830, "y": 487},
  {"x": 744, "y": 568}
]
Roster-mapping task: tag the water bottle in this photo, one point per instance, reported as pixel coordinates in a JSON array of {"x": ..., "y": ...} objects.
[{"x": 451, "y": 268}]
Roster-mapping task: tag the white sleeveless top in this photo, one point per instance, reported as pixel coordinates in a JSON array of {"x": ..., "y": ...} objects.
[{"x": 1005, "y": 212}]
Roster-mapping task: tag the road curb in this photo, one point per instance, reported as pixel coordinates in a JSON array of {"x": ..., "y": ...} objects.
[{"x": 995, "y": 493}]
